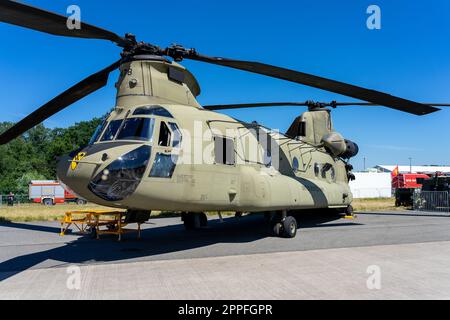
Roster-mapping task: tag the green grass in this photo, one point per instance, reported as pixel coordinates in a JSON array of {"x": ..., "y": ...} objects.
[
  {"x": 38, "y": 212},
  {"x": 377, "y": 204}
]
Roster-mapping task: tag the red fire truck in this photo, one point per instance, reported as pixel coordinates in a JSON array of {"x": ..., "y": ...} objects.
[
  {"x": 50, "y": 192},
  {"x": 404, "y": 185}
]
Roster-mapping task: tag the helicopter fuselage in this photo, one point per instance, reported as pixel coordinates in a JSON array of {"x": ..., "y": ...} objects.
[{"x": 159, "y": 150}]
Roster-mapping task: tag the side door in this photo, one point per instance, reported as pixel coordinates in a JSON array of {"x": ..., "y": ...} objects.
[{"x": 167, "y": 140}]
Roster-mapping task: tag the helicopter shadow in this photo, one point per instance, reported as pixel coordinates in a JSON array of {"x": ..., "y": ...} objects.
[{"x": 159, "y": 240}]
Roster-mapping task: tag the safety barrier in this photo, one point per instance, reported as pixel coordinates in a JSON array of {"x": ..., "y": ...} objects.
[{"x": 432, "y": 201}]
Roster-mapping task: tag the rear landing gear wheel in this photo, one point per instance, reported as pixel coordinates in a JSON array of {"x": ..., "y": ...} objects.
[
  {"x": 203, "y": 219},
  {"x": 194, "y": 220},
  {"x": 277, "y": 229},
  {"x": 188, "y": 220},
  {"x": 289, "y": 227}
]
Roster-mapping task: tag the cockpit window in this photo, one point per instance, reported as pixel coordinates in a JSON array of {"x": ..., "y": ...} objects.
[
  {"x": 152, "y": 110},
  {"x": 176, "y": 135},
  {"x": 137, "y": 129},
  {"x": 111, "y": 130},
  {"x": 164, "y": 135},
  {"x": 98, "y": 132}
]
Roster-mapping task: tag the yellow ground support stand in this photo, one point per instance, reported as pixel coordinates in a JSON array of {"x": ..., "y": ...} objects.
[{"x": 84, "y": 219}]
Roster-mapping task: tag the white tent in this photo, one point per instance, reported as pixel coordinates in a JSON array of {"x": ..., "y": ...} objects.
[{"x": 371, "y": 185}]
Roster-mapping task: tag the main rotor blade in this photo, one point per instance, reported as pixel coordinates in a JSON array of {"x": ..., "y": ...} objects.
[
  {"x": 75, "y": 93},
  {"x": 23, "y": 15},
  {"x": 321, "y": 83},
  {"x": 301, "y": 104},
  {"x": 343, "y": 104}
]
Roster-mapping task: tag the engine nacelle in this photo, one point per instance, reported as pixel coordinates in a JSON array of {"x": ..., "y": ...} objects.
[
  {"x": 352, "y": 149},
  {"x": 337, "y": 146}
]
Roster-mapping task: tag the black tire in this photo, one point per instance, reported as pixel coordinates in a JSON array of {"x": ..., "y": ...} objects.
[
  {"x": 47, "y": 202},
  {"x": 203, "y": 219},
  {"x": 349, "y": 210},
  {"x": 277, "y": 229},
  {"x": 289, "y": 227},
  {"x": 80, "y": 202},
  {"x": 188, "y": 220},
  {"x": 92, "y": 232}
]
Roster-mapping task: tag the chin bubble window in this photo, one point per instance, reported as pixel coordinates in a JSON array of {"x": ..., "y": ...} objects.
[
  {"x": 137, "y": 129},
  {"x": 122, "y": 176},
  {"x": 163, "y": 166}
]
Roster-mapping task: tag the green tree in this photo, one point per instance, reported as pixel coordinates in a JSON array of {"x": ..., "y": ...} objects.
[{"x": 33, "y": 156}]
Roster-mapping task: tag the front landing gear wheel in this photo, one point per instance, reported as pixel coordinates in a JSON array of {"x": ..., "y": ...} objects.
[{"x": 289, "y": 227}]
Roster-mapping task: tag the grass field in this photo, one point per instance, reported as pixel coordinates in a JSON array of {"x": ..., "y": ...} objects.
[
  {"x": 37, "y": 212},
  {"x": 379, "y": 204}
]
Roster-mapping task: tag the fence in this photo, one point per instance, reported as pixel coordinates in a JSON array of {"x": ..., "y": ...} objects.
[
  {"x": 432, "y": 201},
  {"x": 18, "y": 200}
]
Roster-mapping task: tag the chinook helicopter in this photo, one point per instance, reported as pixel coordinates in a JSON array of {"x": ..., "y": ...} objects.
[{"x": 159, "y": 149}]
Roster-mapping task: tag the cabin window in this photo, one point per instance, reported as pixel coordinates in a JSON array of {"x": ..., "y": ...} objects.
[
  {"x": 316, "y": 169},
  {"x": 224, "y": 152},
  {"x": 164, "y": 135},
  {"x": 324, "y": 172},
  {"x": 163, "y": 166},
  {"x": 265, "y": 141},
  {"x": 332, "y": 174},
  {"x": 152, "y": 111},
  {"x": 111, "y": 130},
  {"x": 295, "y": 164},
  {"x": 137, "y": 129}
]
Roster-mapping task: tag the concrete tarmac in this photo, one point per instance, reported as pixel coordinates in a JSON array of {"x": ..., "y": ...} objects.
[{"x": 377, "y": 256}]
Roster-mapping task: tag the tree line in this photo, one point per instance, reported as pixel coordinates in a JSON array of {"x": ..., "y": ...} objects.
[{"x": 33, "y": 156}]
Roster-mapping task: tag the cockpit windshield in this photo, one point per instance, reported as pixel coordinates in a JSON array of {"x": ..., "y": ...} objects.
[
  {"x": 98, "y": 132},
  {"x": 111, "y": 130},
  {"x": 137, "y": 129}
]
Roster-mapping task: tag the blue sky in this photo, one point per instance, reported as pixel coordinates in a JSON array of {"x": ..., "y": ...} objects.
[{"x": 408, "y": 57}]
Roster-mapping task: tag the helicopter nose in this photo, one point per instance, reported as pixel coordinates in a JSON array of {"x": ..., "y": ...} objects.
[
  {"x": 106, "y": 172},
  {"x": 75, "y": 170}
]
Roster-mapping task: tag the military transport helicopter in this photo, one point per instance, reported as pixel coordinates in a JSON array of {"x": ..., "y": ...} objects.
[{"x": 137, "y": 157}]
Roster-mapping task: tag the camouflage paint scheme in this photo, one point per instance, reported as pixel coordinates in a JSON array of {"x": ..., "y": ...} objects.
[{"x": 247, "y": 186}]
